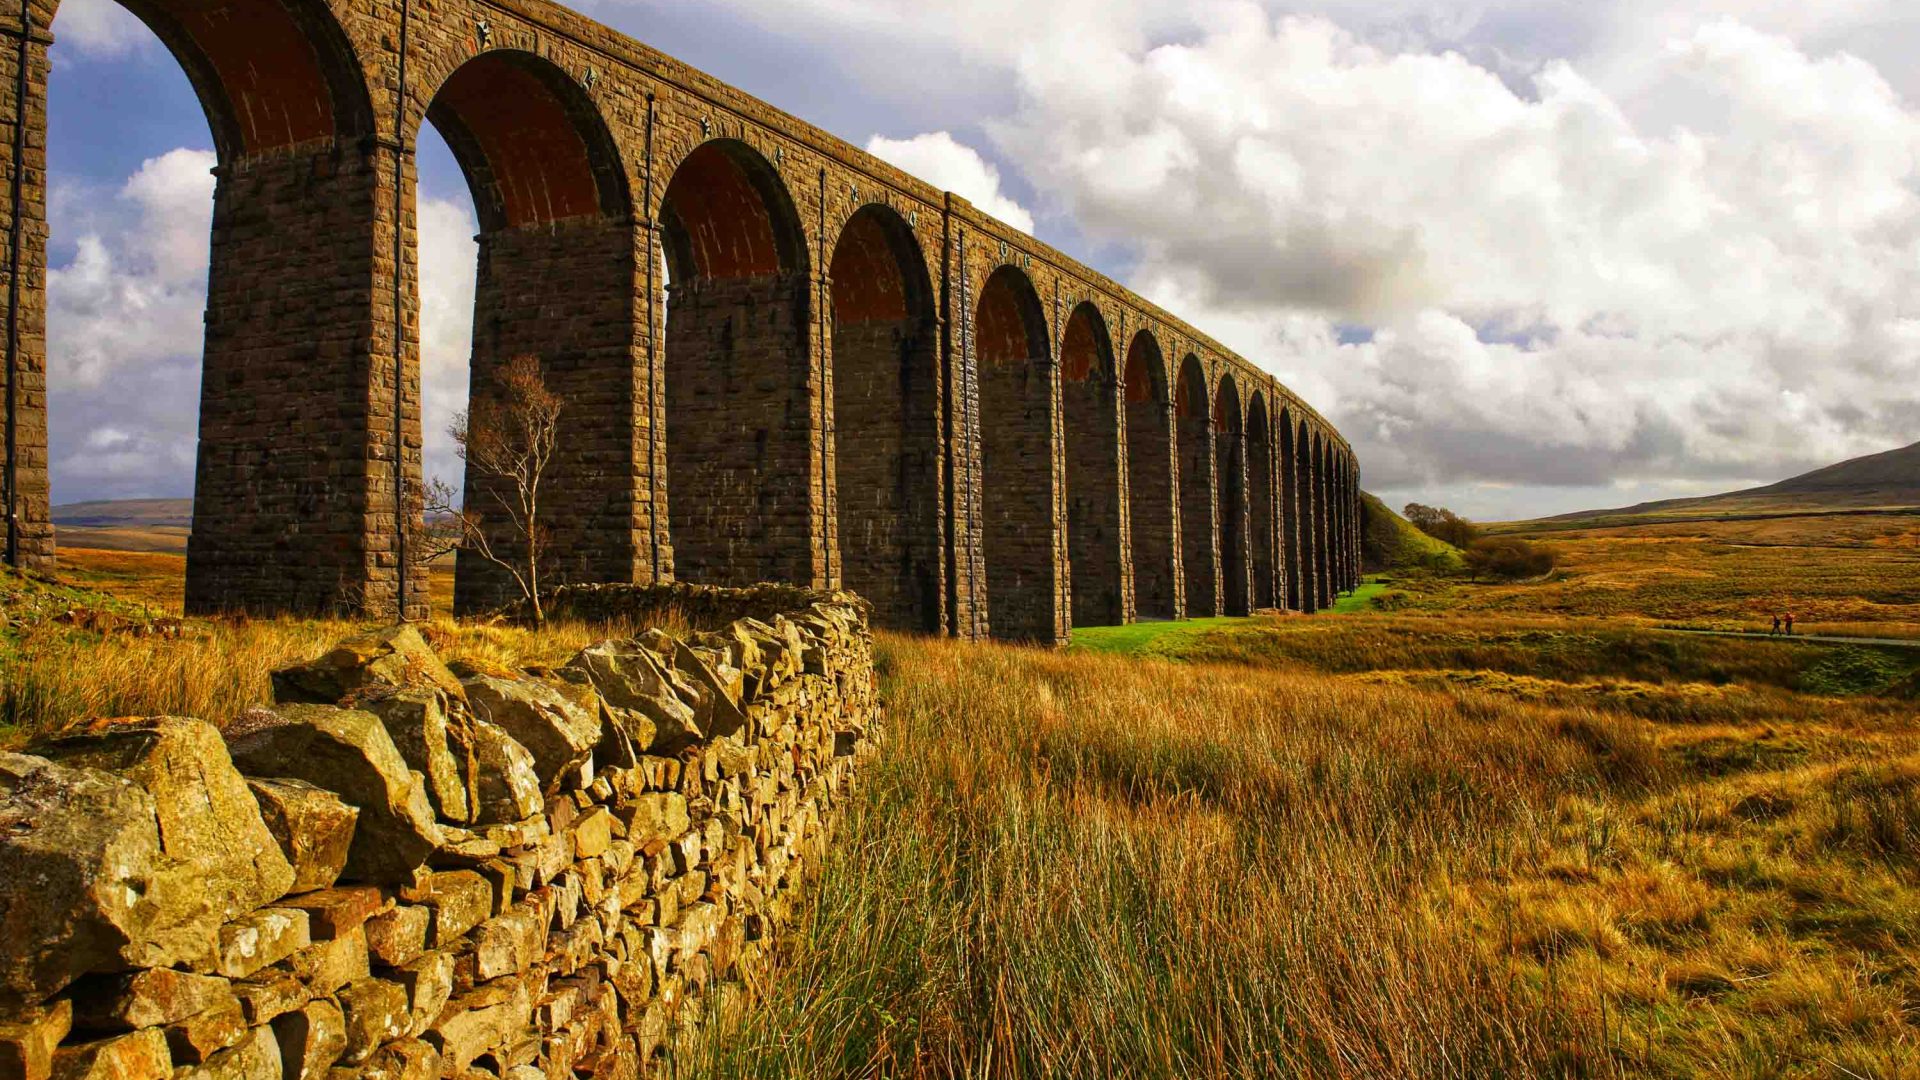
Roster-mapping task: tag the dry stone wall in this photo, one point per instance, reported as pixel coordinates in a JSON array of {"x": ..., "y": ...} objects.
[{"x": 405, "y": 871}]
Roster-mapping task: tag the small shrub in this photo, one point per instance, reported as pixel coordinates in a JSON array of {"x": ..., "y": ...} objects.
[{"x": 1508, "y": 558}]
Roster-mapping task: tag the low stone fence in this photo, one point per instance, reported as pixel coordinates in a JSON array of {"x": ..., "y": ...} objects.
[{"x": 404, "y": 872}]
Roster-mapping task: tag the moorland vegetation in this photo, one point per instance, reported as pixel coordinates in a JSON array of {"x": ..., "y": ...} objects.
[{"x": 1532, "y": 828}]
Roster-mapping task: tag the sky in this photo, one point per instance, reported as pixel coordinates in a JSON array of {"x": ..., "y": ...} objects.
[{"x": 1531, "y": 256}]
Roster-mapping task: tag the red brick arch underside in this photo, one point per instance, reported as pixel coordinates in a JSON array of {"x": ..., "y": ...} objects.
[
  {"x": 1146, "y": 371},
  {"x": 530, "y": 142},
  {"x": 1009, "y": 325},
  {"x": 269, "y": 73},
  {"x": 727, "y": 215},
  {"x": 1085, "y": 348},
  {"x": 877, "y": 271}
]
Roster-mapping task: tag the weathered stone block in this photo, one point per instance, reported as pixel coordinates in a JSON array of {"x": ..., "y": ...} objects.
[
  {"x": 259, "y": 939},
  {"x": 151, "y": 997},
  {"x": 559, "y": 730},
  {"x": 313, "y": 827},
  {"x": 270, "y": 994},
  {"x": 348, "y": 752},
  {"x": 28, "y": 1039},
  {"x": 428, "y": 982},
  {"x": 506, "y": 787},
  {"x": 139, "y": 1055},
  {"x": 92, "y": 841},
  {"x": 508, "y": 944},
  {"x": 394, "y": 658},
  {"x": 592, "y": 833},
  {"x": 328, "y": 965},
  {"x": 398, "y": 936},
  {"x": 256, "y": 1057},
  {"x": 311, "y": 1039},
  {"x": 208, "y": 819},
  {"x": 336, "y": 911},
  {"x": 196, "y": 1038},
  {"x": 459, "y": 900},
  {"x": 434, "y": 741},
  {"x": 374, "y": 1012}
]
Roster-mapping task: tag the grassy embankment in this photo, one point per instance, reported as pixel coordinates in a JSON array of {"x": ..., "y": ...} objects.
[{"x": 1371, "y": 845}]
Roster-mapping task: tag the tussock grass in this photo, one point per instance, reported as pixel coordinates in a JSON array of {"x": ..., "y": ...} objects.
[{"x": 1088, "y": 865}]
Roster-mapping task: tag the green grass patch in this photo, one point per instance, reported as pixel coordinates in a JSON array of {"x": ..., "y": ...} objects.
[
  {"x": 1164, "y": 638},
  {"x": 1360, "y": 599}
]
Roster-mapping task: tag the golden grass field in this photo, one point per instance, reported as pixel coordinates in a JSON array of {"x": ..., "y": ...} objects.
[{"x": 1497, "y": 831}]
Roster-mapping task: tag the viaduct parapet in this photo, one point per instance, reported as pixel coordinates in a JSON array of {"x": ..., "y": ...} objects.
[{"x": 783, "y": 359}]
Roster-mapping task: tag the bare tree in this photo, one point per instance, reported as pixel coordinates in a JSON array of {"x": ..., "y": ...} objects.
[{"x": 507, "y": 440}]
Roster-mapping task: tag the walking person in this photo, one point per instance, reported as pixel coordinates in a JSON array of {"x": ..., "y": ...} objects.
[
  {"x": 1789, "y": 624},
  {"x": 1776, "y": 627}
]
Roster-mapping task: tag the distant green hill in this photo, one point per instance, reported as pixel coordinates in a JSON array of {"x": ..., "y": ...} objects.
[
  {"x": 1389, "y": 542},
  {"x": 1876, "y": 482}
]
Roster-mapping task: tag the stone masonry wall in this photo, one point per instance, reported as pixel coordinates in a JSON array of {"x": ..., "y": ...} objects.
[
  {"x": 285, "y": 425},
  {"x": 403, "y": 872},
  {"x": 739, "y": 448},
  {"x": 887, "y": 452},
  {"x": 562, "y": 293},
  {"x": 1016, "y": 456},
  {"x": 1195, "y": 438},
  {"x": 1093, "y": 445}
]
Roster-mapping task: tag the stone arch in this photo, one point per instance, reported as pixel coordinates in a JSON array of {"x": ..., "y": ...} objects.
[
  {"x": 886, "y": 419},
  {"x": 1090, "y": 406},
  {"x": 1019, "y": 503},
  {"x": 270, "y": 74},
  {"x": 1262, "y": 559},
  {"x": 743, "y": 435},
  {"x": 1150, "y": 479},
  {"x": 1230, "y": 495},
  {"x": 288, "y": 330},
  {"x": 1193, "y": 431},
  {"x": 554, "y": 279}
]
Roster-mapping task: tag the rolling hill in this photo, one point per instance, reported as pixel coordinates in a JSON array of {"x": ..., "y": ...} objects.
[
  {"x": 1888, "y": 481},
  {"x": 125, "y": 524}
]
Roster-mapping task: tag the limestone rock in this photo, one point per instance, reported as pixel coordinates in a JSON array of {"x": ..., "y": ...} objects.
[
  {"x": 403, "y": 1059},
  {"x": 260, "y": 939},
  {"x": 459, "y": 899},
  {"x": 428, "y": 982},
  {"x": 375, "y": 1011},
  {"x": 196, "y": 1038},
  {"x": 139, "y": 1055},
  {"x": 505, "y": 786},
  {"x": 28, "y": 1039},
  {"x": 556, "y": 728},
  {"x": 392, "y": 658},
  {"x": 398, "y": 936},
  {"x": 721, "y": 686},
  {"x": 311, "y": 1039},
  {"x": 208, "y": 819},
  {"x": 313, "y": 827},
  {"x": 83, "y": 882},
  {"x": 629, "y": 675},
  {"x": 337, "y": 911},
  {"x": 435, "y": 741},
  {"x": 348, "y": 752},
  {"x": 257, "y": 1057},
  {"x": 151, "y": 997},
  {"x": 325, "y": 966}
]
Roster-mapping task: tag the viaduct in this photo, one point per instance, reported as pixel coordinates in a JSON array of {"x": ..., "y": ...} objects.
[{"x": 781, "y": 358}]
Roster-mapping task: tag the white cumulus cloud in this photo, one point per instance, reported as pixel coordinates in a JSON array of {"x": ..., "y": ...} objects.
[{"x": 946, "y": 163}]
